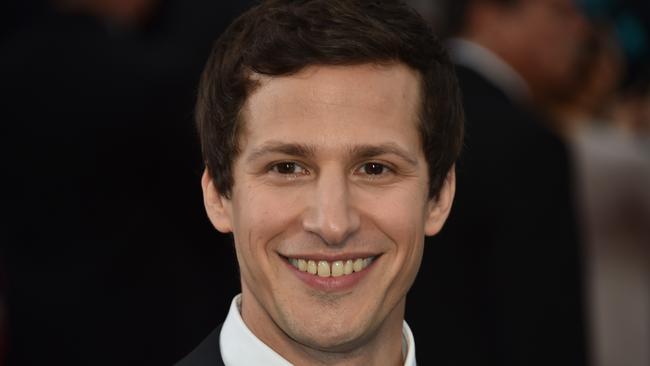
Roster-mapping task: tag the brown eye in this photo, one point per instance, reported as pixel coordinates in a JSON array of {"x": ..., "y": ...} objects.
[
  {"x": 288, "y": 168},
  {"x": 373, "y": 168}
]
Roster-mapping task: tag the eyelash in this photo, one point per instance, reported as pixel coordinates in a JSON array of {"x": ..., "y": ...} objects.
[
  {"x": 385, "y": 169},
  {"x": 275, "y": 168}
]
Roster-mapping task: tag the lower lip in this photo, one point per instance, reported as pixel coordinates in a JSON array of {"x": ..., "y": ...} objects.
[{"x": 332, "y": 284}]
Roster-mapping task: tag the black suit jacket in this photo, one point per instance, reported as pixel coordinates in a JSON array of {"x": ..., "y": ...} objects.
[
  {"x": 207, "y": 353},
  {"x": 505, "y": 270}
]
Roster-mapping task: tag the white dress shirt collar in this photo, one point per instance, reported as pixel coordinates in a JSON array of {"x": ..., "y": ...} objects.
[
  {"x": 240, "y": 347},
  {"x": 487, "y": 64}
]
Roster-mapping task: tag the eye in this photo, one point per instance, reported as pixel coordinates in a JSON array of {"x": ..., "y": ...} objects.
[
  {"x": 373, "y": 169},
  {"x": 288, "y": 168}
]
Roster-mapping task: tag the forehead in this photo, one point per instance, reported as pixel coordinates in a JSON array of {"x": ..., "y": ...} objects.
[{"x": 335, "y": 105}]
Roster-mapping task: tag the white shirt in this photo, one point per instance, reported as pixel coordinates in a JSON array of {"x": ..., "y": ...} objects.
[
  {"x": 487, "y": 64},
  {"x": 240, "y": 347}
]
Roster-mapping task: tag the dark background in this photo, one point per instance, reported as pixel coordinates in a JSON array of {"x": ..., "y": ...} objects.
[{"x": 107, "y": 256}]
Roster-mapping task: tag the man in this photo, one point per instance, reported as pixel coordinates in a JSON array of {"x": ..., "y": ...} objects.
[
  {"x": 509, "y": 253},
  {"x": 329, "y": 131}
]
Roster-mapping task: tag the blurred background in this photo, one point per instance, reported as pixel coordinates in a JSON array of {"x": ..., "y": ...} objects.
[
  {"x": 545, "y": 259},
  {"x": 107, "y": 258}
]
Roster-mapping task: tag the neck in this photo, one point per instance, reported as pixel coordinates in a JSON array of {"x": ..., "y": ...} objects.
[{"x": 382, "y": 346}]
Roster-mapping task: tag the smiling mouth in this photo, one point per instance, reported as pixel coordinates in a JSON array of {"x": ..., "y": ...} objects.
[{"x": 324, "y": 268}]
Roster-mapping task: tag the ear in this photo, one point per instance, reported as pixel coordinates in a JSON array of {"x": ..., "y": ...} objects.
[
  {"x": 218, "y": 207},
  {"x": 439, "y": 207}
]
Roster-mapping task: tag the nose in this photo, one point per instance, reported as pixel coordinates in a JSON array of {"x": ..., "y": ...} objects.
[{"x": 331, "y": 214}]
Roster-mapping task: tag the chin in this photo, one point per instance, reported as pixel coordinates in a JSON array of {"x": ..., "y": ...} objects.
[{"x": 332, "y": 336}]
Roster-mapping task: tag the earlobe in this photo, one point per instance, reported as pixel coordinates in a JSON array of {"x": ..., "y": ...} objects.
[
  {"x": 217, "y": 206},
  {"x": 438, "y": 209}
]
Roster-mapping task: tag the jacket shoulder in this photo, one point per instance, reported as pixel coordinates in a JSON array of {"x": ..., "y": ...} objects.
[{"x": 206, "y": 353}]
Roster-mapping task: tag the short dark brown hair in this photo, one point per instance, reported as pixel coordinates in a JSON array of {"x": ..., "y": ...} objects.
[{"x": 282, "y": 37}]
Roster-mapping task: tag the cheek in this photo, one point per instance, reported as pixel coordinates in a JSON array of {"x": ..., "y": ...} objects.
[
  {"x": 400, "y": 215},
  {"x": 261, "y": 214}
]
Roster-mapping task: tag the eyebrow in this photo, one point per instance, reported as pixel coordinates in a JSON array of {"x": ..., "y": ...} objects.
[
  {"x": 371, "y": 151},
  {"x": 299, "y": 150},
  {"x": 309, "y": 151}
]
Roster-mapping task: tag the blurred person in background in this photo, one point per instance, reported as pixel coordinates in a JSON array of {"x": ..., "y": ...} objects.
[
  {"x": 606, "y": 121},
  {"x": 103, "y": 236},
  {"x": 506, "y": 271}
]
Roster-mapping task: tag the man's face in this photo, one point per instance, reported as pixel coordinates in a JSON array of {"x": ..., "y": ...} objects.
[
  {"x": 331, "y": 175},
  {"x": 552, "y": 34}
]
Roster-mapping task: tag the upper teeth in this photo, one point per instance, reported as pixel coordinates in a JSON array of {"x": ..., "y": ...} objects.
[{"x": 333, "y": 269}]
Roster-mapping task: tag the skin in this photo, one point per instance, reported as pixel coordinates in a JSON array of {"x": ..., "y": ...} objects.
[
  {"x": 541, "y": 39},
  {"x": 330, "y": 200}
]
